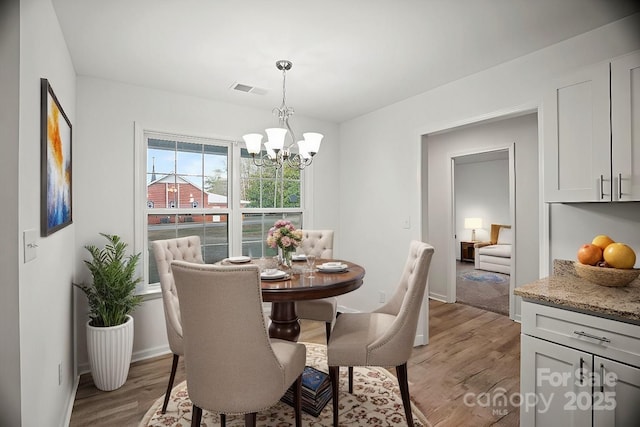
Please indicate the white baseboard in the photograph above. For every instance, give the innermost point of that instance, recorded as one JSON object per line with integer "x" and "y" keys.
{"x": 420, "y": 340}
{"x": 437, "y": 297}
{"x": 150, "y": 352}
{"x": 72, "y": 399}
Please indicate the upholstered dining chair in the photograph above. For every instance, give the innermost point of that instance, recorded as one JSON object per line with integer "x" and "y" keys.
{"x": 320, "y": 244}
{"x": 165, "y": 251}
{"x": 232, "y": 365}
{"x": 385, "y": 336}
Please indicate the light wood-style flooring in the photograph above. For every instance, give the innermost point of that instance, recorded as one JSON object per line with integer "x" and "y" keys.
{"x": 461, "y": 378}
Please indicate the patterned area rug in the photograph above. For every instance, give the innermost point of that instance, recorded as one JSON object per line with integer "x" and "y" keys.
{"x": 485, "y": 276}
{"x": 375, "y": 402}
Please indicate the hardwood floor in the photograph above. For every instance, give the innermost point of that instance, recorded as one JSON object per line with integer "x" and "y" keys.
{"x": 472, "y": 359}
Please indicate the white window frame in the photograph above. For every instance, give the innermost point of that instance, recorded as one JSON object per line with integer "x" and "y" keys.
{"x": 233, "y": 209}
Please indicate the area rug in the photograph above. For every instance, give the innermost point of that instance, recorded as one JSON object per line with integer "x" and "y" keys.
{"x": 485, "y": 276}
{"x": 482, "y": 289}
{"x": 375, "y": 402}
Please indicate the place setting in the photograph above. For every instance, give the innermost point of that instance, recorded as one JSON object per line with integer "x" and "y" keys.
{"x": 332, "y": 267}
{"x": 238, "y": 259}
{"x": 274, "y": 274}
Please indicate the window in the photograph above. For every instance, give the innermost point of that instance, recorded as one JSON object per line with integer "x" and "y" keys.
{"x": 268, "y": 194}
{"x": 210, "y": 188}
{"x": 187, "y": 188}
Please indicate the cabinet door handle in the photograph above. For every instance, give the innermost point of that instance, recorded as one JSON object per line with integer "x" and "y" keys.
{"x": 601, "y": 188}
{"x": 581, "y": 371}
{"x": 602, "y": 378}
{"x": 584, "y": 334}
{"x": 620, "y": 193}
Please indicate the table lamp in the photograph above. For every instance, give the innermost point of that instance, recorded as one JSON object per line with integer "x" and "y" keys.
{"x": 472, "y": 224}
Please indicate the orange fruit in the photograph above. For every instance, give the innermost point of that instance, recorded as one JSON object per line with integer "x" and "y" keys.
{"x": 619, "y": 255}
{"x": 589, "y": 254}
{"x": 602, "y": 241}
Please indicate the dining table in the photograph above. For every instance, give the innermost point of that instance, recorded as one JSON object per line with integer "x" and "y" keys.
{"x": 297, "y": 285}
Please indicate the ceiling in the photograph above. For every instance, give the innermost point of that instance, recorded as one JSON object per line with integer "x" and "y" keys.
{"x": 349, "y": 57}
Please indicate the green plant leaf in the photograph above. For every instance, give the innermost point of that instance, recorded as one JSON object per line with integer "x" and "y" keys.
{"x": 111, "y": 296}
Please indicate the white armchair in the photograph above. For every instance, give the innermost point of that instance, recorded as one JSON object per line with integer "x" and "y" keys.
{"x": 495, "y": 255}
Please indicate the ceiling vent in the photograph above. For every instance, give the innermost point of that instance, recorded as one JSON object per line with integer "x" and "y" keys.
{"x": 248, "y": 89}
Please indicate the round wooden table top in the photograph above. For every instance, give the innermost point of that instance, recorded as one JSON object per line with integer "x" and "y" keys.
{"x": 324, "y": 284}
{"x": 298, "y": 286}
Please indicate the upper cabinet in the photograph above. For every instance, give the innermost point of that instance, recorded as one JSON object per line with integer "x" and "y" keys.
{"x": 591, "y": 122}
{"x": 625, "y": 127}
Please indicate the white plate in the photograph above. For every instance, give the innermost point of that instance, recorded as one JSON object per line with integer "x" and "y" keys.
{"x": 332, "y": 264}
{"x": 239, "y": 259}
{"x": 332, "y": 268}
{"x": 278, "y": 274}
{"x": 300, "y": 257}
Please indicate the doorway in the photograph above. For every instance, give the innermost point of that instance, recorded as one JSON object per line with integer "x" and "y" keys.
{"x": 481, "y": 201}
{"x": 516, "y": 131}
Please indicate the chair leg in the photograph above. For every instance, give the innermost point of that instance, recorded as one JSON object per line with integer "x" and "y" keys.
{"x": 327, "y": 326}
{"x": 403, "y": 382}
{"x": 223, "y": 420}
{"x": 334, "y": 373}
{"x": 196, "y": 416}
{"x": 250, "y": 419}
{"x": 350, "y": 379}
{"x": 172, "y": 377}
{"x": 297, "y": 400}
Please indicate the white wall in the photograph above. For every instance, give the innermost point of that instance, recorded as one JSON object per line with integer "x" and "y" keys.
{"x": 578, "y": 223}
{"x": 10, "y": 388}
{"x": 481, "y": 191}
{"x": 384, "y": 186}
{"x": 46, "y": 309}
{"x": 104, "y": 190}
{"x": 522, "y": 133}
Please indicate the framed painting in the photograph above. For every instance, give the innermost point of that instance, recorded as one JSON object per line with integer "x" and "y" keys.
{"x": 55, "y": 163}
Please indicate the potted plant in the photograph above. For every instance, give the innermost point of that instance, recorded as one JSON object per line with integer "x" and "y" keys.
{"x": 111, "y": 298}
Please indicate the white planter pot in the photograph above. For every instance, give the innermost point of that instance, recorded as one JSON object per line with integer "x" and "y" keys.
{"x": 110, "y": 354}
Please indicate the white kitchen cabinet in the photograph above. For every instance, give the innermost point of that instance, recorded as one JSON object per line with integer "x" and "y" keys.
{"x": 578, "y": 369}
{"x": 624, "y": 391}
{"x": 592, "y": 134}
{"x": 547, "y": 383}
{"x": 625, "y": 127}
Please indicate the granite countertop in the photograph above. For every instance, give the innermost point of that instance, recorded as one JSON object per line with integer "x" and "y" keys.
{"x": 566, "y": 290}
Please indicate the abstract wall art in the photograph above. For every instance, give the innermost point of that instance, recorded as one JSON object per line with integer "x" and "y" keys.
{"x": 55, "y": 163}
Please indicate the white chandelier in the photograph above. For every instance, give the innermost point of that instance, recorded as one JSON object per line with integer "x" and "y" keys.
{"x": 276, "y": 153}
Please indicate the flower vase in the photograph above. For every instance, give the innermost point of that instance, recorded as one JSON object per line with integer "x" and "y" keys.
{"x": 285, "y": 256}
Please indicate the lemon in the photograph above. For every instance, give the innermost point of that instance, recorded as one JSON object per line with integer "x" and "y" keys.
{"x": 602, "y": 241}
{"x": 619, "y": 255}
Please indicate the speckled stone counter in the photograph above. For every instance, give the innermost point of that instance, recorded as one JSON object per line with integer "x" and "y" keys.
{"x": 566, "y": 290}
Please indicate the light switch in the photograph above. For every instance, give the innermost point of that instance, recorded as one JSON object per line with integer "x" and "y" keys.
{"x": 30, "y": 246}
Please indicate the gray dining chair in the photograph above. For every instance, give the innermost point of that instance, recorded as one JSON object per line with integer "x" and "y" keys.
{"x": 232, "y": 365}
{"x": 385, "y": 336}
{"x": 164, "y": 252}
{"x": 320, "y": 244}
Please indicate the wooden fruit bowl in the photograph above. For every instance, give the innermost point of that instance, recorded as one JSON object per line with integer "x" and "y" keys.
{"x": 606, "y": 276}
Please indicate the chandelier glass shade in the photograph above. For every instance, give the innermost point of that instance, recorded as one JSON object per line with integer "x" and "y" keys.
{"x": 277, "y": 152}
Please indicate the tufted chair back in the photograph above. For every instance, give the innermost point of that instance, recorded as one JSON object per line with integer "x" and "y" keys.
{"x": 397, "y": 320}
{"x": 165, "y": 251}
{"x": 232, "y": 365}
{"x": 317, "y": 242}
{"x": 405, "y": 303}
{"x": 385, "y": 336}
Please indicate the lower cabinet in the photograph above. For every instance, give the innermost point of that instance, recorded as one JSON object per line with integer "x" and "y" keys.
{"x": 620, "y": 388}
{"x": 569, "y": 382}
